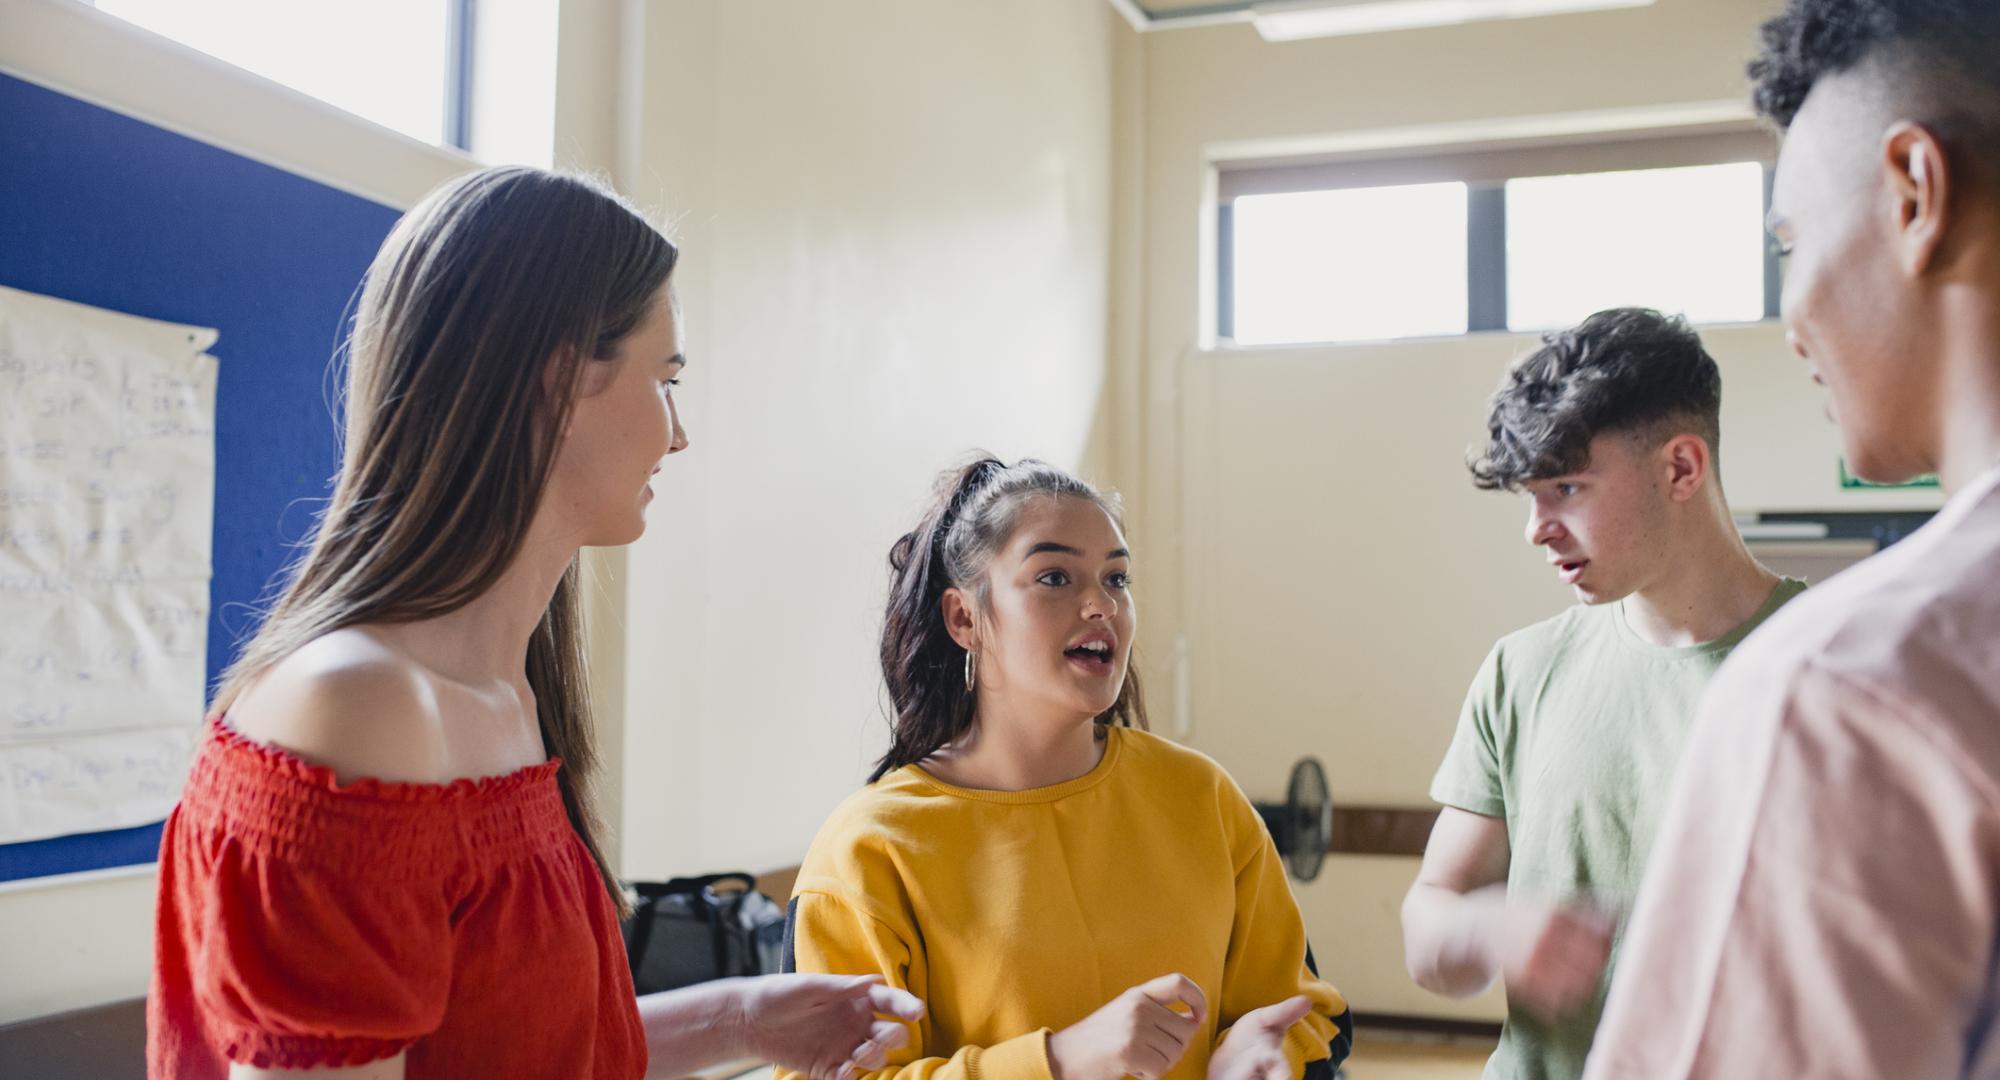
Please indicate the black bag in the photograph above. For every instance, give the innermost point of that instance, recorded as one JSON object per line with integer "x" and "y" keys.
{"x": 684, "y": 931}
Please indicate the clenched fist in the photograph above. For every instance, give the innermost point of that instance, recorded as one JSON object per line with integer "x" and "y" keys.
{"x": 1139, "y": 1033}
{"x": 1552, "y": 958}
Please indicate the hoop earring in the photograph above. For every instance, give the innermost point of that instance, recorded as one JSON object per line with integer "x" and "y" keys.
{"x": 971, "y": 669}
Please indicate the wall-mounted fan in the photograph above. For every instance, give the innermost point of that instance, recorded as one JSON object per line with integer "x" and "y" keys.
{"x": 1302, "y": 825}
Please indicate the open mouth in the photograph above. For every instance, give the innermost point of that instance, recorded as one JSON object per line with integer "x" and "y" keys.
{"x": 1092, "y": 655}
{"x": 1570, "y": 570}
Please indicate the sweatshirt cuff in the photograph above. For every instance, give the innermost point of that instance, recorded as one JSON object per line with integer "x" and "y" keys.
{"x": 1023, "y": 1057}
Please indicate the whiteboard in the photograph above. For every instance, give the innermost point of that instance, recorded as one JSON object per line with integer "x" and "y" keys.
{"x": 107, "y": 491}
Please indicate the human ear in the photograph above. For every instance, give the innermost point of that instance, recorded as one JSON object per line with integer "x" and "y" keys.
{"x": 1687, "y": 462}
{"x": 961, "y": 619}
{"x": 1917, "y": 176}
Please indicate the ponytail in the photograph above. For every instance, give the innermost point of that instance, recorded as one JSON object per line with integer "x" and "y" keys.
{"x": 971, "y": 517}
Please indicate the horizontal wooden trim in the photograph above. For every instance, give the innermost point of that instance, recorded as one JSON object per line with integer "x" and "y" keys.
{"x": 103, "y": 1042}
{"x": 1428, "y": 1025}
{"x": 1381, "y": 830}
{"x": 1357, "y": 830}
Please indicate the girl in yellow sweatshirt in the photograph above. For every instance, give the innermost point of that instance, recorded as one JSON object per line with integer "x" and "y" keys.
{"x": 1075, "y": 898}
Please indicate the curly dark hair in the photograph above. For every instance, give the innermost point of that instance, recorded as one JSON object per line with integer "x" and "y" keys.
{"x": 1946, "y": 51}
{"x": 1625, "y": 370}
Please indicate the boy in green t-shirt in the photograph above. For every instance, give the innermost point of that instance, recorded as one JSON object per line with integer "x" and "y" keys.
{"x": 1571, "y": 731}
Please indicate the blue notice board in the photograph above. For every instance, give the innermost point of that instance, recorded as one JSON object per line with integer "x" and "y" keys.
{"x": 104, "y": 209}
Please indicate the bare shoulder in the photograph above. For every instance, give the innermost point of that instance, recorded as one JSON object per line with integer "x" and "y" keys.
{"x": 352, "y": 703}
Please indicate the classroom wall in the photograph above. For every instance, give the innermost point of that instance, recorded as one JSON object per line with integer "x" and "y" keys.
{"x": 897, "y": 220}
{"x": 1339, "y": 579}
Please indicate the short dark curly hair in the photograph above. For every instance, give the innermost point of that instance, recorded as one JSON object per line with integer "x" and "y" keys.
{"x": 1626, "y": 370}
{"x": 1943, "y": 54}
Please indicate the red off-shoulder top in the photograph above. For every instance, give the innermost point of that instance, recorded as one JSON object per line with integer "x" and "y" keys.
{"x": 303, "y": 922}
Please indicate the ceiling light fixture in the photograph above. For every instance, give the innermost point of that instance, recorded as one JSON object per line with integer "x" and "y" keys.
{"x": 1293, "y": 21}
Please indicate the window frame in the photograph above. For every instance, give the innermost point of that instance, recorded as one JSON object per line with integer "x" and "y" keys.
{"x": 460, "y": 18}
{"x": 1485, "y": 169}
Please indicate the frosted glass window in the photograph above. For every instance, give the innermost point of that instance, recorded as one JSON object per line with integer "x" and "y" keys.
{"x": 385, "y": 60}
{"x": 1686, "y": 240}
{"x": 1356, "y": 264}
{"x": 514, "y": 77}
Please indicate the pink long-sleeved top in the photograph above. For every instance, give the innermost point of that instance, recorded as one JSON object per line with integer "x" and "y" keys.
{"x": 1824, "y": 897}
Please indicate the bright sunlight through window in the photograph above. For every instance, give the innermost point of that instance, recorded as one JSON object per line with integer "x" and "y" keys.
{"x": 1350, "y": 265}
{"x": 386, "y": 60}
{"x": 1686, "y": 240}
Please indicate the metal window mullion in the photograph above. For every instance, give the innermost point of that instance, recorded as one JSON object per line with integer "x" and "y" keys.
{"x": 1485, "y": 257}
{"x": 459, "y": 20}
{"x": 1774, "y": 267}
{"x": 1225, "y": 271}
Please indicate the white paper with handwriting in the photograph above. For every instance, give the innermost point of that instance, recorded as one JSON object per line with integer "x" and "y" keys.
{"x": 107, "y": 487}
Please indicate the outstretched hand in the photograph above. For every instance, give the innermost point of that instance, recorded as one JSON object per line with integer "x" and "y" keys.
{"x": 826, "y": 1026}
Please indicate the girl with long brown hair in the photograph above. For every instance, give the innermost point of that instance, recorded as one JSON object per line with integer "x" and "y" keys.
{"x": 1074, "y": 897}
{"x": 386, "y": 862}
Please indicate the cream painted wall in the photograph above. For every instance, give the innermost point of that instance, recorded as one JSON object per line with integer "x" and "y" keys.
{"x": 896, "y": 226}
{"x": 1339, "y": 577}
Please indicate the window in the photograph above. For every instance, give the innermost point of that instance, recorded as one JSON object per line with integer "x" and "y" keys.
{"x": 1689, "y": 240}
{"x": 389, "y": 61}
{"x": 1495, "y": 238}
{"x": 513, "y": 114}
{"x": 1350, "y": 265}
{"x": 408, "y": 65}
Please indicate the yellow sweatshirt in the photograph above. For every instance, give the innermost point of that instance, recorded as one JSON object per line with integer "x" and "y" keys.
{"x": 1017, "y": 913}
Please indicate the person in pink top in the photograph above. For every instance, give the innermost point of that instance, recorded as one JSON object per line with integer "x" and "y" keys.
{"x": 1823, "y": 899}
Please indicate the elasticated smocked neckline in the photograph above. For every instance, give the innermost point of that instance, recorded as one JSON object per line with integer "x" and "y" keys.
{"x": 275, "y": 801}
{"x": 283, "y": 762}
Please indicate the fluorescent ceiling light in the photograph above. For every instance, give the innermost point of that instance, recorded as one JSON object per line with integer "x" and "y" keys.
{"x": 1326, "y": 18}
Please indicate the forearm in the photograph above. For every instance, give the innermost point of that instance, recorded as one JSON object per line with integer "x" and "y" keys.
{"x": 695, "y": 1027}
{"x": 1450, "y": 939}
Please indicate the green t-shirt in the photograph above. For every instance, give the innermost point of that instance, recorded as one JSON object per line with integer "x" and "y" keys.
{"x": 1571, "y": 732}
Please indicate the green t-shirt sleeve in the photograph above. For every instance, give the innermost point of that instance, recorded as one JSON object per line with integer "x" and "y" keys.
{"x": 1469, "y": 778}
